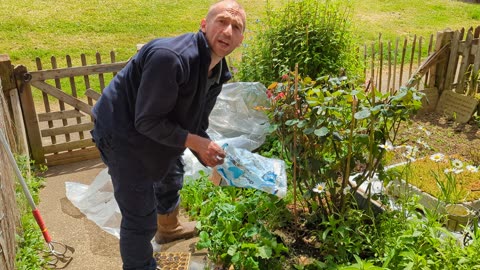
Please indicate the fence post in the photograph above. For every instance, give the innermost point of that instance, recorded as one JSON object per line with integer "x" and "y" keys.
{"x": 6, "y": 73}
{"x": 7, "y": 79}
{"x": 14, "y": 109}
{"x": 437, "y": 77}
{"x": 29, "y": 115}
{"x": 8, "y": 87}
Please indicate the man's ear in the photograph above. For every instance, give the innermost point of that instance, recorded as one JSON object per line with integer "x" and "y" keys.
{"x": 203, "y": 25}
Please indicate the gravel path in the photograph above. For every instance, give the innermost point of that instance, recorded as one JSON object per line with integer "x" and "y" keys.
{"x": 95, "y": 249}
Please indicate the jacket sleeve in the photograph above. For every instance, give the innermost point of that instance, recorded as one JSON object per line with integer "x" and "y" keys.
{"x": 156, "y": 98}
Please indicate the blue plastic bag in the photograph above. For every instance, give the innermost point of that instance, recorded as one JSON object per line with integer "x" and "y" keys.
{"x": 243, "y": 168}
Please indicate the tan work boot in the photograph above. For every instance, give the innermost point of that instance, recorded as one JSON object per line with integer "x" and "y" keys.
{"x": 169, "y": 228}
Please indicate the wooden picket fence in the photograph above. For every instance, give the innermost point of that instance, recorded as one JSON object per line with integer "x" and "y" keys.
{"x": 451, "y": 61}
{"x": 388, "y": 65}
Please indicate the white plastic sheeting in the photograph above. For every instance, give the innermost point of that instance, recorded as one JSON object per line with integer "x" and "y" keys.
{"x": 234, "y": 120}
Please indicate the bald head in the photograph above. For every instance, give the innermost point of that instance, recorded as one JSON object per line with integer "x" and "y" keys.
{"x": 231, "y": 6}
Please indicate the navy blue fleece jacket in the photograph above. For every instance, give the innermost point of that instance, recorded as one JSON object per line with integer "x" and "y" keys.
{"x": 160, "y": 96}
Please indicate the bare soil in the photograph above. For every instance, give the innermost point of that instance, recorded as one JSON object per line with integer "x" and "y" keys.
{"x": 443, "y": 135}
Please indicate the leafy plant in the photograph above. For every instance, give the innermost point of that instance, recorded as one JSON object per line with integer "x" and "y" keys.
{"x": 407, "y": 239}
{"x": 331, "y": 130}
{"x": 450, "y": 189}
{"x": 346, "y": 237}
{"x": 236, "y": 225}
{"x": 314, "y": 34}
{"x": 361, "y": 265}
{"x": 29, "y": 237}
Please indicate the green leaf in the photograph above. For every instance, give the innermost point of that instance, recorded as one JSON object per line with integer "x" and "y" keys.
{"x": 301, "y": 123}
{"x": 321, "y": 132}
{"x": 308, "y": 131}
{"x": 365, "y": 113}
{"x": 291, "y": 122}
{"x": 232, "y": 250}
{"x": 236, "y": 257}
{"x": 265, "y": 252}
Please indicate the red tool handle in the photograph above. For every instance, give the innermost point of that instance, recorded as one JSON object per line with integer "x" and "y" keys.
{"x": 41, "y": 224}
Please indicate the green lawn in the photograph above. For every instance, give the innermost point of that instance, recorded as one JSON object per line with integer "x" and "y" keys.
{"x": 42, "y": 28}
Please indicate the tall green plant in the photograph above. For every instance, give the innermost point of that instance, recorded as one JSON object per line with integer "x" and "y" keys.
{"x": 315, "y": 34}
{"x": 335, "y": 131}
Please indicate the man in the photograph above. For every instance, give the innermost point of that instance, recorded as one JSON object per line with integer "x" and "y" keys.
{"x": 154, "y": 109}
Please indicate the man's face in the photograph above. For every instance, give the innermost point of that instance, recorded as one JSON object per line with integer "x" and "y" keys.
{"x": 224, "y": 30}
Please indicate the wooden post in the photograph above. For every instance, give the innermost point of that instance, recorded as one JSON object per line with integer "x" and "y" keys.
{"x": 29, "y": 115}
{"x": 437, "y": 77}
{"x": 8, "y": 87}
{"x": 6, "y": 73}
{"x": 22, "y": 143}
{"x": 466, "y": 59}
{"x": 7, "y": 79}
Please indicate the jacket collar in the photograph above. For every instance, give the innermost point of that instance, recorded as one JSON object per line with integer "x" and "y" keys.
{"x": 206, "y": 57}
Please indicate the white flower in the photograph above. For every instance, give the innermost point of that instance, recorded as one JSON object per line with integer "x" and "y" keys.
{"x": 409, "y": 156}
{"x": 408, "y": 148}
{"x": 414, "y": 151}
{"x": 319, "y": 188}
{"x": 423, "y": 143}
{"x": 471, "y": 168}
{"x": 346, "y": 190}
{"x": 388, "y": 146}
{"x": 447, "y": 171}
{"x": 457, "y": 171}
{"x": 425, "y": 130}
{"x": 437, "y": 157}
{"x": 457, "y": 163}
{"x": 410, "y": 153}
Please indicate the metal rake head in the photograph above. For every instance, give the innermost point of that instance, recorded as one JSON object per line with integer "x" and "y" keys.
{"x": 58, "y": 255}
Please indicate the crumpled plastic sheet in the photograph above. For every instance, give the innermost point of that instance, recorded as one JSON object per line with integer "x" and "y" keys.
{"x": 234, "y": 120}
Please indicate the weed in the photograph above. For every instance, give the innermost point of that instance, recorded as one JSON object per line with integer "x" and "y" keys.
{"x": 29, "y": 238}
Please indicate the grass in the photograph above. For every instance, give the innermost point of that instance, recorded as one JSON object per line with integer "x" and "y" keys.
{"x": 36, "y": 28}
{"x": 412, "y": 17}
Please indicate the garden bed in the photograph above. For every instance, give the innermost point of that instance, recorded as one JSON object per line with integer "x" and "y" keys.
{"x": 450, "y": 178}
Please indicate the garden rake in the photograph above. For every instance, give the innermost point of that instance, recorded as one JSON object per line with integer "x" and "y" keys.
{"x": 58, "y": 255}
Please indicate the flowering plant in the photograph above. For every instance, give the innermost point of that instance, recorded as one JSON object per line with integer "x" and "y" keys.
{"x": 330, "y": 129}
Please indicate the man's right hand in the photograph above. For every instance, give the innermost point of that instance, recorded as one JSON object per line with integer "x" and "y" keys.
{"x": 210, "y": 153}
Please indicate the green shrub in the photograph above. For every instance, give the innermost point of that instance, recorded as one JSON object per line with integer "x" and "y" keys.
{"x": 334, "y": 130}
{"x": 315, "y": 34}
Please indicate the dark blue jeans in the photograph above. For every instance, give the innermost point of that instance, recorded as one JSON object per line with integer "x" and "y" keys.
{"x": 140, "y": 197}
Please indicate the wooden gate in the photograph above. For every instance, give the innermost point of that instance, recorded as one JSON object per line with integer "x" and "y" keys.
{"x": 58, "y": 128}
